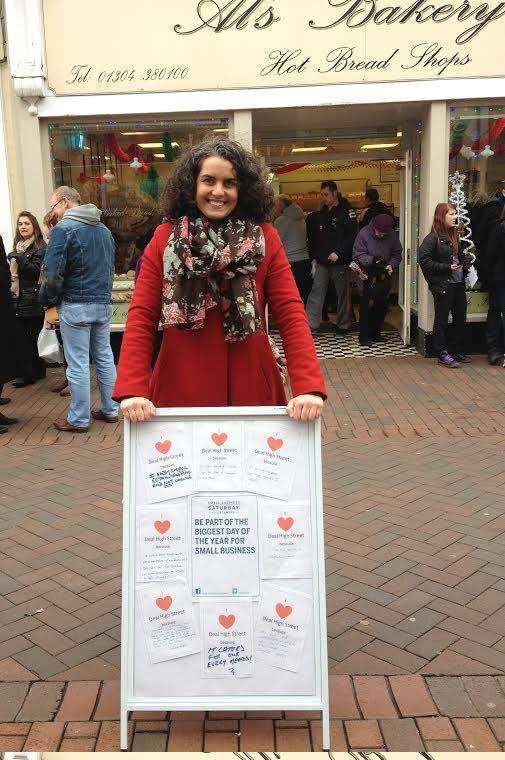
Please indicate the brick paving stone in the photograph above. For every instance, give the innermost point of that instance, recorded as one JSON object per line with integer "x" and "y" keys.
{"x": 12, "y": 696}
{"x": 78, "y": 745}
{"x": 257, "y": 735}
{"x": 50, "y": 640}
{"x": 108, "y": 737}
{"x": 10, "y": 670}
{"x": 401, "y": 735}
{"x": 44, "y": 737}
{"x": 444, "y": 746}
{"x": 436, "y": 729}
{"x": 39, "y": 661}
{"x": 14, "y": 729}
{"x": 77, "y": 730}
{"x": 41, "y": 703}
{"x": 451, "y": 698}
{"x": 451, "y": 663}
{"x": 338, "y": 741}
{"x": 498, "y": 728}
{"x": 290, "y": 739}
{"x": 185, "y": 736}
{"x": 363, "y": 734}
{"x": 79, "y": 701}
{"x": 412, "y": 696}
{"x": 476, "y": 735}
{"x": 342, "y": 701}
{"x": 486, "y": 695}
{"x": 394, "y": 655}
{"x": 374, "y": 698}
{"x": 89, "y": 649}
{"x": 219, "y": 742}
{"x": 12, "y": 743}
{"x": 432, "y": 643}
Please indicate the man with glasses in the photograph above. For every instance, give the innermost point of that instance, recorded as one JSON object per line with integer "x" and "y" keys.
{"x": 77, "y": 278}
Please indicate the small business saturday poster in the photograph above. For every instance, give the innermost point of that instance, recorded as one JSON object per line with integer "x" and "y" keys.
{"x": 167, "y": 461}
{"x": 282, "y": 626}
{"x": 224, "y": 545}
{"x": 219, "y": 454}
{"x": 285, "y": 540}
{"x": 162, "y": 543}
{"x": 168, "y": 621}
{"x": 273, "y": 450}
{"x": 226, "y": 639}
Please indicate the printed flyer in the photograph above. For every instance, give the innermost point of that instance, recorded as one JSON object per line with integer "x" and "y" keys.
{"x": 227, "y": 639}
{"x": 285, "y": 540}
{"x": 282, "y": 625}
{"x": 168, "y": 621}
{"x": 219, "y": 455}
{"x": 224, "y": 545}
{"x": 167, "y": 461}
{"x": 273, "y": 451}
{"x": 162, "y": 543}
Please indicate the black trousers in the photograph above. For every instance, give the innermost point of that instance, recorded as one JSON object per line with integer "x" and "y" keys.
{"x": 495, "y": 322}
{"x": 301, "y": 273}
{"x": 30, "y": 366}
{"x": 453, "y": 301}
{"x": 373, "y": 307}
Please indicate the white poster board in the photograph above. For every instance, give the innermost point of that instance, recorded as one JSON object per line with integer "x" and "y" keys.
{"x": 223, "y": 564}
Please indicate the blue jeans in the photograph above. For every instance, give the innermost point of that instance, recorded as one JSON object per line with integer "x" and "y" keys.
{"x": 85, "y": 331}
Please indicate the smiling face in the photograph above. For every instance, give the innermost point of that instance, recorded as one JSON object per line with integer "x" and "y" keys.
{"x": 25, "y": 227}
{"x": 216, "y": 189}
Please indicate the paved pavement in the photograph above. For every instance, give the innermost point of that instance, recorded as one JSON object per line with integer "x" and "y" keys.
{"x": 414, "y": 477}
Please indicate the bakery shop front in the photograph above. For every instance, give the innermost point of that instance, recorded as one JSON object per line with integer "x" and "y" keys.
{"x": 371, "y": 93}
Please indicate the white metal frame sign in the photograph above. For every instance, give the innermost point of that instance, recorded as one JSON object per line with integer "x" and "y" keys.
{"x": 223, "y": 564}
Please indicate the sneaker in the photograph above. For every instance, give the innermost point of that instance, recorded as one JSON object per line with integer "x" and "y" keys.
{"x": 463, "y": 358}
{"x": 446, "y": 360}
{"x": 366, "y": 343}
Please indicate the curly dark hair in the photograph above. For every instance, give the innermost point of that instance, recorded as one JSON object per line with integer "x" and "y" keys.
{"x": 255, "y": 196}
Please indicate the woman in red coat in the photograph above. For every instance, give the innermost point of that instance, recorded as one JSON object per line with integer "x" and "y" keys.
{"x": 207, "y": 277}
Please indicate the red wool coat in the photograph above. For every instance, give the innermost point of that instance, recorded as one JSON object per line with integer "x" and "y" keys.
{"x": 201, "y": 368}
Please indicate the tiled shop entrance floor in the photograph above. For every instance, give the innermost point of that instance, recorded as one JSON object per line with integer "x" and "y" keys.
{"x": 413, "y": 476}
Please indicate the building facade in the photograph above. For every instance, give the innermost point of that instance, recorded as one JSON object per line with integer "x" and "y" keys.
{"x": 395, "y": 95}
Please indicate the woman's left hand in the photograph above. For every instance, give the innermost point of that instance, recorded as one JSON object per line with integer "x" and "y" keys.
{"x": 306, "y": 407}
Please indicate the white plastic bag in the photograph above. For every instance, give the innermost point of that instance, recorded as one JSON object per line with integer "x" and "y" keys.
{"x": 471, "y": 277}
{"x": 48, "y": 347}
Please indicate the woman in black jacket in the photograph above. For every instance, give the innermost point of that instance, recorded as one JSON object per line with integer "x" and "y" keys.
{"x": 7, "y": 335}
{"x": 25, "y": 265}
{"x": 495, "y": 326}
{"x": 444, "y": 265}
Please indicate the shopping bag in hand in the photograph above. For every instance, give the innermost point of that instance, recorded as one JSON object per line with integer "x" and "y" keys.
{"x": 48, "y": 347}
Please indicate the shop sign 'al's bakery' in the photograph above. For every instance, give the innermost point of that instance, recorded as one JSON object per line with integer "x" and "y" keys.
{"x": 167, "y": 45}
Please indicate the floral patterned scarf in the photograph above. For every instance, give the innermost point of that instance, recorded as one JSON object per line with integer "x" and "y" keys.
{"x": 206, "y": 266}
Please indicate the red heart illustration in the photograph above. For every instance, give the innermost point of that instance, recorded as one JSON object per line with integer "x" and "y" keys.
{"x": 275, "y": 443}
{"x": 283, "y": 611}
{"x": 285, "y": 522}
{"x": 226, "y": 621}
{"x": 162, "y": 526}
{"x": 164, "y": 602}
{"x": 163, "y": 446}
{"x": 219, "y": 438}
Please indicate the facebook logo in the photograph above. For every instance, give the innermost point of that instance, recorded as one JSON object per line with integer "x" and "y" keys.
{"x": 198, "y": 590}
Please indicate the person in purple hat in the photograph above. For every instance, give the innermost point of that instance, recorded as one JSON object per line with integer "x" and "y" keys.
{"x": 378, "y": 252}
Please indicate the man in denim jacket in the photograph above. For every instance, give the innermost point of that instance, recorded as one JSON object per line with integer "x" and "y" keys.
{"x": 77, "y": 278}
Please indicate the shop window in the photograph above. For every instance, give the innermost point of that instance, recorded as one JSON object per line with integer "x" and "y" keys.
{"x": 123, "y": 167}
{"x": 477, "y": 150}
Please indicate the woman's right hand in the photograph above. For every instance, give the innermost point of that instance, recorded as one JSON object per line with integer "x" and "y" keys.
{"x": 138, "y": 409}
{"x": 455, "y": 267}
